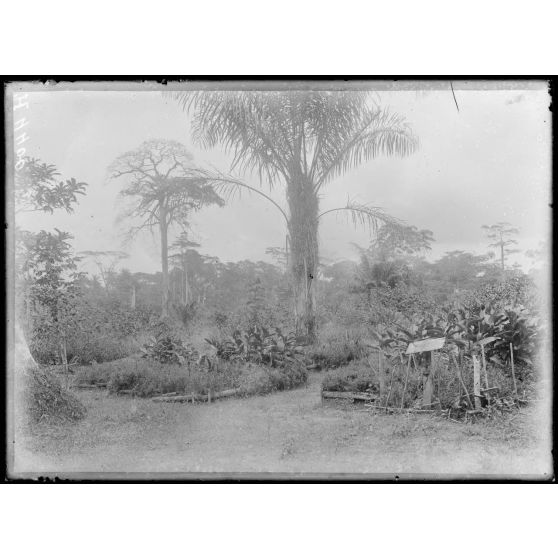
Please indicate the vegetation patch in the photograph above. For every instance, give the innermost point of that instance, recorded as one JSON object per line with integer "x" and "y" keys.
{"x": 147, "y": 378}
{"x": 356, "y": 377}
{"x": 336, "y": 353}
{"x": 47, "y": 400}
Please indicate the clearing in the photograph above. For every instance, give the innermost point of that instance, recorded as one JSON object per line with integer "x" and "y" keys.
{"x": 283, "y": 432}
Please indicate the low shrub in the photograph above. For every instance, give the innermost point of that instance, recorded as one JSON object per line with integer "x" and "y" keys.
{"x": 47, "y": 400}
{"x": 260, "y": 380}
{"x": 448, "y": 390}
{"x": 146, "y": 378}
{"x": 355, "y": 377}
{"x": 259, "y": 345}
{"x": 167, "y": 349}
{"x": 336, "y": 353}
{"x": 166, "y": 346}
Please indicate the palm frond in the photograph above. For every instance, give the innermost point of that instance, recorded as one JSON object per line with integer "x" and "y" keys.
{"x": 231, "y": 187}
{"x": 364, "y": 215}
{"x": 377, "y": 133}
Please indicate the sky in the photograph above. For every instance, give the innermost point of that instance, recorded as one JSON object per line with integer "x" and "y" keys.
{"x": 487, "y": 162}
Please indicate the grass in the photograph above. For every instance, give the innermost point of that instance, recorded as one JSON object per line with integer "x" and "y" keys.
{"x": 357, "y": 376}
{"x": 360, "y": 376}
{"x": 336, "y": 353}
{"x": 282, "y": 432}
{"x": 146, "y": 377}
{"x": 46, "y": 399}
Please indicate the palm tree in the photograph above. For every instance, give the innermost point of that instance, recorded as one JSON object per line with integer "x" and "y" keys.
{"x": 300, "y": 140}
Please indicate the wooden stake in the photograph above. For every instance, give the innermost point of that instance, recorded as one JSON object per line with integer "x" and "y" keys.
{"x": 406, "y": 378}
{"x": 477, "y": 382}
{"x": 484, "y": 366}
{"x": 461, "y": 380}
{"x": 439, "y": 370}
{"x": 428, "y": 385}
{"x": 485, "y": 373}
{"x": 381, "y": 375}
{"x": 513, "y": 371}
{"x": 390, "y": 386}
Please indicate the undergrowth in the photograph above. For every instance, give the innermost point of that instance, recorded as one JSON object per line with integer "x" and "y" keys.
{"x": 146, "y": 378}
{"x": 46, "y": 400}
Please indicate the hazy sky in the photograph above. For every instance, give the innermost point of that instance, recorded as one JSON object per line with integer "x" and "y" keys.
{"x": 488, "y": 162}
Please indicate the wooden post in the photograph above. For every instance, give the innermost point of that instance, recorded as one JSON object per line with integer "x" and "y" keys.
{"x": 458, "y": 370}
{"x": 428, "y": 385}
{"x": 390, "y": 386}
{"x": 209, "y": 395}
{"x": 405, "y": 386}
{"x": 513, "y": 371}
{"x": 381, "y": 376}
{"x": 439, "y": 377}
{"x": 484, "y": 367}
{"x": 485, "y": 374}
{"x": 476, "y": 382}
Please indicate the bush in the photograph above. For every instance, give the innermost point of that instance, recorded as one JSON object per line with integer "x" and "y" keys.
{"x": 336, "y": 353}
{"x": 146, "y": 379}
{"x": 98, "y": 333}
{"x": 356, "y": 377}
{"x": 47, "y": 400}
{"x": 259, "y": 345}
{"x": 167, "y": 349}
{"x": 260, "y": 380}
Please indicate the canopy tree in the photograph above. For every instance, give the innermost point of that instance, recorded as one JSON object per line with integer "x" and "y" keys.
{"x": 300, "y": 140}
{"x": 165, "y": 190}
{"x": 501, "y": 234}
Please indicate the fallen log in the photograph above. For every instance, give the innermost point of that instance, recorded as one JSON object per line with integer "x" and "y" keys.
{"x": 399, "y": 410}
{"x": 90, "y": 386}
{"x": 193, "y": 397}
{"x": 226, "y": 393}
{"x": 179, "y": 398}
{"x": 358, "y": 395}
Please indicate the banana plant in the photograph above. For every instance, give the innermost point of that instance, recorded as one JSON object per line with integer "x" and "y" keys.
{"x": 260, "y": 345}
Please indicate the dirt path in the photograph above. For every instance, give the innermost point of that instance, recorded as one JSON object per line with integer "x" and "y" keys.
{"x": 286, "y": 432}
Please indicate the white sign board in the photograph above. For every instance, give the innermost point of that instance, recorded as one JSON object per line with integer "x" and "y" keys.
{"x": 423, "y": 345}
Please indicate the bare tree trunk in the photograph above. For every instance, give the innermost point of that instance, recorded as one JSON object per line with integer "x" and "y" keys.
{"x": 303, "y": 233}
{"x": 133, "y": 301}
{"x": 165, "y": 264}
{"x": 186, "y": 283}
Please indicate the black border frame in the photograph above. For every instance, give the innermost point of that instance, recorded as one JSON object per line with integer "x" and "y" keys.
{"x": 259, "y": 478}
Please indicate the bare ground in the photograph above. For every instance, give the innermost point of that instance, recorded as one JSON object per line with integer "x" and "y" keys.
{"x": 287, "y": 432}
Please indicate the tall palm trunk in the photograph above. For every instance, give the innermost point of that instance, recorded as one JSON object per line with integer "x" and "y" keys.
{"x": 165, "y": 263}
{"x": 303, "y": 233}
